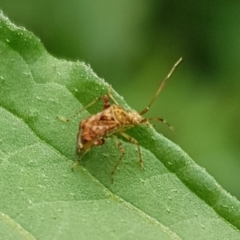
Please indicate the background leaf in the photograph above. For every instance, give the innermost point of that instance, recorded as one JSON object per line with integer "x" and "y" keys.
{"x": 133, "y": 44}
{"x": 41, "y": 198}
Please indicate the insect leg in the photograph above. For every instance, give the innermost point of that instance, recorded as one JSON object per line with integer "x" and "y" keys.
{"x": 111, "y": 96}
{"x": 78, "y": 161}
{"x": 161, "y": 120}
{"x": 134, "y": 141}
{"x": 66, "y": 120}
{"x": 121, "y": 149}
{"x": 106, "y": 102}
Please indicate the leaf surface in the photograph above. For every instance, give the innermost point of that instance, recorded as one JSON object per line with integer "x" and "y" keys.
{"x": 41, "y": 198}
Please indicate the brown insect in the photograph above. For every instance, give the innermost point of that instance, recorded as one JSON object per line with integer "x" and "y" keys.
{"x": 111, "y": 121}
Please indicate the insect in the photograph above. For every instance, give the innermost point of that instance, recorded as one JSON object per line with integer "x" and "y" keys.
{"x": 113, "y": 120}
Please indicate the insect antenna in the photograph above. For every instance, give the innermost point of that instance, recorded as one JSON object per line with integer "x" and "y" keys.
{"x": 160, "y": 88}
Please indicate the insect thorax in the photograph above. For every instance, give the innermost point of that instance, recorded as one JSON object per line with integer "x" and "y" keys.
{"x": 126, "y": 118}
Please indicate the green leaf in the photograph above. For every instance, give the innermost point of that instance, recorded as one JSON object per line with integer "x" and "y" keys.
{"x": 41, "y": 198}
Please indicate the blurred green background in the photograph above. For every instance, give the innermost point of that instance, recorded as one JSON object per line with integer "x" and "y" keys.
{"x": 133, "y": 45}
